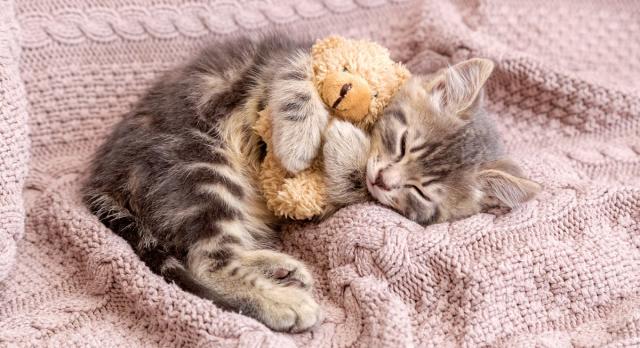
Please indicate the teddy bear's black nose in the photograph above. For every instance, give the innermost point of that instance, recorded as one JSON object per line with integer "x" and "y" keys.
{"x": 343, "y": 92}
{"x": 345, "y": 89}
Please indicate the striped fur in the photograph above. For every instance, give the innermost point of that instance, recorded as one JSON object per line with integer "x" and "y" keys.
{"x": 177, "y": 177}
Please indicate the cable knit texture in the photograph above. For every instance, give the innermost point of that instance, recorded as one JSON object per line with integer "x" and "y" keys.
{"x": 561, "y": 271}
{"x": 14, "y": 146}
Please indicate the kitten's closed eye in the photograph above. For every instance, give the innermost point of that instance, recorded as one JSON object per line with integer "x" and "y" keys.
{"x": 428, "y": 182}
{"x": 419, "y": 192}
{"x": 403, "y": 146}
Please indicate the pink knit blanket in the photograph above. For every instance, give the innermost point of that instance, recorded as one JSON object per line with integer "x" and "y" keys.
{"x": 563, "y": 270}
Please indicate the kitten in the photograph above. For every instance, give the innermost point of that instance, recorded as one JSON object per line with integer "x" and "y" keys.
{"x": 434, "y": 155}
{"x": 177, "y": 178}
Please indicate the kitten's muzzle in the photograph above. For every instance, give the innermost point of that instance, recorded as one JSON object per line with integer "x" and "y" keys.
{"x": 379, "y": 182}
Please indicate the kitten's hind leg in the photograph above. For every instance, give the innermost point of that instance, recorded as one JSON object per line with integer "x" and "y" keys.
{"x": 269, "y": 286}
{"x": 278, "y": 267}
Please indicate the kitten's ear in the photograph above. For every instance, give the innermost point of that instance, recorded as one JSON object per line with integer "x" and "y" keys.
{"x": 459, "y": 88}
{"x": 503, "y": 180}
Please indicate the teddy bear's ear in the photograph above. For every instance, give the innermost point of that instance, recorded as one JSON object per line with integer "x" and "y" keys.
{"x": 329, "y": 42}
{"x": 402, "y": 73}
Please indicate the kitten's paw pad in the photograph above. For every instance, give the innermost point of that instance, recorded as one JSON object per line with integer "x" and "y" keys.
{"x": 288, "y": 276}
{"x": 287, "y": 271}
{"x": 292, "y": 310}
{"x": 280, "y": 268}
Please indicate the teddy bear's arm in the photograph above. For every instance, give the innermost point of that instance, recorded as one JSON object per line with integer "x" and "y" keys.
{"x": 345, "y": 153}
{"x": 299, "y": 115}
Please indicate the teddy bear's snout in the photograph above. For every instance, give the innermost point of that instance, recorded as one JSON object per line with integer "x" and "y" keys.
{"x": 349, "y": 95}
{"x": 343, "y": 93}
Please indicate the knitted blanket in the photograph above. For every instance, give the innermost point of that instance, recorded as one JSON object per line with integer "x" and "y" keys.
{"x": 563, "y": 270}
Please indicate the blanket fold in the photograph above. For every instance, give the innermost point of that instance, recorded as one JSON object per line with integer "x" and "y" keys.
{"x": 562, "y": 270}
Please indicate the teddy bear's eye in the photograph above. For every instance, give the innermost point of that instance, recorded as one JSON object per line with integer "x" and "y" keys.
{"x": 375, "y": 95}
{"x": 344, "y": 69}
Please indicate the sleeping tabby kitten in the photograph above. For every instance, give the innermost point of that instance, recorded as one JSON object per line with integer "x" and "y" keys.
{"x": 433, "y": 156}
{"x": 176, "y": 178}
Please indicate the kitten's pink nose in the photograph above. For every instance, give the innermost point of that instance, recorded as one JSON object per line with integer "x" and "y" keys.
{"x": 380, "y": 182}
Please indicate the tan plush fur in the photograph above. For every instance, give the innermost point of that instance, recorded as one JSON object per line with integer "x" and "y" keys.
{"x": 373, "y": 78}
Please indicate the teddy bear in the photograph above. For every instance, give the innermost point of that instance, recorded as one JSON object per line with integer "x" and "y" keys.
{"x": 356, "y": 80}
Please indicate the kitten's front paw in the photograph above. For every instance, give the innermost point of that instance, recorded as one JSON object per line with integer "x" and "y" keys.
{"x": 345, "y": 145}
{"x": 295, "y": 155}
{"x": 295, "y": 163}
{"x": 345, "y": 132}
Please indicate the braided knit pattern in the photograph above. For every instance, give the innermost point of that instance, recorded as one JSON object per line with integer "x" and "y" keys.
{"x": 560, "y": 271}
{"x": 14, "y": 143}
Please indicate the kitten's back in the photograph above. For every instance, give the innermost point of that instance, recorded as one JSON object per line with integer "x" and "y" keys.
{"x": 176, "y": 180}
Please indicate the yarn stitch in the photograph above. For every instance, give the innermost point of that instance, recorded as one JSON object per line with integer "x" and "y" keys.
{"x": 74, "y": 26}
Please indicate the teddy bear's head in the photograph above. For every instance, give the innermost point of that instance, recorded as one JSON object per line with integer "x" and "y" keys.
{"x": 355, "y": 78}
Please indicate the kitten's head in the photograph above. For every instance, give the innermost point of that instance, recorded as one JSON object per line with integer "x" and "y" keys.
{"x": 435, "y": 156}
